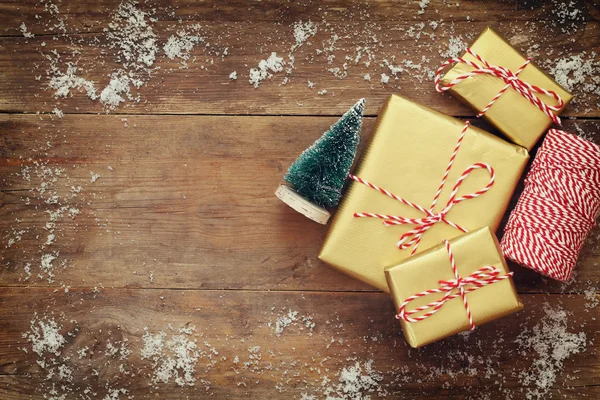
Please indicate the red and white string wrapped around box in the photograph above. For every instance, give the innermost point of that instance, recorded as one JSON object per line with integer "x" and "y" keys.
{"x": 506, "y": 88}
{"x": 416, "y": 175}
{"x": 413, "y": 237}
{"x": 482, "y": 277}
{"x": 511, "y": 80}
{"x": 558, "y": 207}
{"x": 452, "y": 287}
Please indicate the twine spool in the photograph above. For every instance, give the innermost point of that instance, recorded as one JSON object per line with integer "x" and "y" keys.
{"x": 558, "y": 207}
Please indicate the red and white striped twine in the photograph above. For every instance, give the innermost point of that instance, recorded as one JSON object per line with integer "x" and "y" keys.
{"x": 478, "y": 279}
{"x": 510, "y": 78}
{"x": 558, "y": 207}
{"x": 413, "y": 237}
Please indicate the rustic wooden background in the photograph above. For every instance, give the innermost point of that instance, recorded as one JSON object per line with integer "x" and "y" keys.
{"x": 184, "y": 230}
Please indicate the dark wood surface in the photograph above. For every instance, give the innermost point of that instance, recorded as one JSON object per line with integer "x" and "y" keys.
{"x": 181, "y": 228}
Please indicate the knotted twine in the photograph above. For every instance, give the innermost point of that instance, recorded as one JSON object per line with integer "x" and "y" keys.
{"x": 558, "y": 207}
{"x": 482, "y": 277}
{"x": 511, "y": 79}
{"x": 413, "y": 237}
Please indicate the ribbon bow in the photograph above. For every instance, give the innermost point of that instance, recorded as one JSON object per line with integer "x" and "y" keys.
{"x": 510, "y": 78}
{"x": 413, "y": 237}
{"x": 478, "y": 279}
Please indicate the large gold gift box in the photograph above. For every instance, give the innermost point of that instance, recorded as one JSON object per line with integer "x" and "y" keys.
{"x": 408, "y": 154}
{"x": 521, "y": 121}
{"x": 423, "y": 272}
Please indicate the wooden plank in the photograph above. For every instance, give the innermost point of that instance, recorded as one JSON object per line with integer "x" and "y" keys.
{"x": 88, "y": 16}
{"x": 348, "y": 328}
{"x": 372, "y": 33}
{"x": 118, "y": 227}
{"x": 188, "y": 204}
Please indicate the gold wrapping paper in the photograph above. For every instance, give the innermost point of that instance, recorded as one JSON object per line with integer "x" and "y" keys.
{"x": 408, "y": 153}
{"x": 522, "y": 122}
{"x": 471, "y": 251}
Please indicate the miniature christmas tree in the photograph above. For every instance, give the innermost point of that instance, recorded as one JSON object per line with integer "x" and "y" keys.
{"x": 320, "y": 171}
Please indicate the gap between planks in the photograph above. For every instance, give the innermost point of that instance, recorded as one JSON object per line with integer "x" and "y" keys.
{"x": 59, "y": 289}
{"x": 366, "y": 116}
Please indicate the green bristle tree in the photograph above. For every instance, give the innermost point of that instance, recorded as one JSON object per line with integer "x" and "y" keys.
{"x": 320, "y": 171}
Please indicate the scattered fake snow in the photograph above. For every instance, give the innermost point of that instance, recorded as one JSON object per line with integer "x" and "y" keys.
{"x": 289, "y": 318}
{"x": 456, "y": 46}
{"x": 47, "y": 266}
{"x": 592, "y": 298}
{"x": 93, "y": 176}
{"x": 174, "y": 358}
{"x": 120, "y": 350}
{"x": 302, "y": 32}
{"x": 570, "y": 17}
{"x": 284, "y": 321}
{"x": 115, "y": 394}
{"x": 422, "y": 6}
{"x": 174, "y": 355}
{"x": 44, "y": 336}
{"x": 63, "y": 82}
{"x": 572, "y": 72}
{"x": 58, "y": 113}
{"x": 132, "y": 35}
{"x": 180, "y": 45}
{"x": 265, "y": 67}
{"x": 356, "y": 382}
{"x": 118, "y": 90}
{"x": 553, "y": 343}
{"x": 48, "y": 341}
{"x": 52, "y": 194}
{"x": 24, "y": 31}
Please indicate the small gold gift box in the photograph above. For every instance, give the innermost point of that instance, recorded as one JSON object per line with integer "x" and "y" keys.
{"x": 511, "y": 112}
{"x": 426, "y": 279}
{"x": 408, "y": 155}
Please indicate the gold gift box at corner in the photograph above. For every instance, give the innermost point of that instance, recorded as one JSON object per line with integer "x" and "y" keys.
{"x": 408, "y": 153}
{"x": 521, "y": 122}
{"x": 423, "y": 272}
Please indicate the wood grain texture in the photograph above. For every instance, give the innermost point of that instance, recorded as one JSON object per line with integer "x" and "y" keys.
{"x": 232, "y": 322}
{"x": 90, "y": 16}
{"x": 160, "y": 216}
{"x": 189, "y": 198}
{"x": 369, "y": 33}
